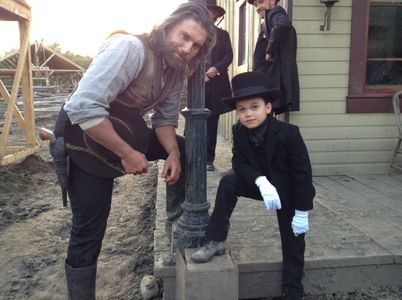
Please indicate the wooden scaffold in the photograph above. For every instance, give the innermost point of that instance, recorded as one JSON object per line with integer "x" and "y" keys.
{"x": 19, "y": 11}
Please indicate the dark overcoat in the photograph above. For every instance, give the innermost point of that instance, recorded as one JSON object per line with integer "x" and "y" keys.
{"x": 288, "y": 163}
{"x": 280, "y": 40}
{"x": 219, "y": 87}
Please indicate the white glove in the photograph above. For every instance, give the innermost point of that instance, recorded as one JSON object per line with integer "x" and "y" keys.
{"x": 300, "y": 222}
{"x": 268, "y": 193}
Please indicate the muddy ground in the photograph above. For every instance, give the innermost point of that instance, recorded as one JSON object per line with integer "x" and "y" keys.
{"x": 34, "y": 231}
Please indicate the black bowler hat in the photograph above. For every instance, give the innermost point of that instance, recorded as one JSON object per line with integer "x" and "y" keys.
{"x": 212, "y": 5}
{"x": 94, "y": 158}
{"x": 250, "y": 85}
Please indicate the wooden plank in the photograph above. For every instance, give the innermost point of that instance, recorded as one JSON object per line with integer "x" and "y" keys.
{"x": 371, "y": 191}
{"x": 324, "y": 81}
{"x": 361, "y": 205}
{"x": 16, "y": 9}
{"x": 313, "y": 94}
{"x": 14, "y": 92}
{"x": 345, "y": 157}
{"x": 323, "y": 41}
{"x": 314, "y": 3}
{"x": 17, "y": 114}
{"x": 354, "y": 132}
{"x": 27, "y": 91}
{"x": 325, "y": 117}
{"x": 337, "y": 27}
{"x": 342, "y": 169}
{"x": 322, "y": 107}
{"x": 323, "y": 68}
{"x": 317, "y": 13}
{"x": 322, "y": 54}
{"x": 11, "y": 158}
{"x": 333, "y": 146}
{"x": 381, "y": 184}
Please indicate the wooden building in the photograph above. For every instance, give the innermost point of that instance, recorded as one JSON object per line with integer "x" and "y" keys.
{"x": 348, "y": 72}
{"x": 12, "y": 149}
{"x": 52, "y": 72}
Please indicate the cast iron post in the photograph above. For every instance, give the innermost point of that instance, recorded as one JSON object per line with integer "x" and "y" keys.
{"x": 191, "y": 226}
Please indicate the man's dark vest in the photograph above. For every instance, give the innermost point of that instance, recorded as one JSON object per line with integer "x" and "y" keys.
{"x": 147, "y": 90}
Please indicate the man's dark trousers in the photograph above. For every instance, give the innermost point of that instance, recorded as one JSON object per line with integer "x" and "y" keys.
{"x": 90, "y": 198}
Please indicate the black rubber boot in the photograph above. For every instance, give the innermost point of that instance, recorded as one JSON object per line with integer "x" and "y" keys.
{"x": 81, "y": 282}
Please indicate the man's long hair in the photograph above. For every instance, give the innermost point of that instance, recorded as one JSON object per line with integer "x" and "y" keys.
{"x": 189, "y": 10}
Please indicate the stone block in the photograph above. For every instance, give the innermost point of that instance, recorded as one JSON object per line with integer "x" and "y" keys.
{"x": 215, "y": 280}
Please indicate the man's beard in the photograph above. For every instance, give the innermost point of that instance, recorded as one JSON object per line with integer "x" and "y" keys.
{"x": 172, "y": 58}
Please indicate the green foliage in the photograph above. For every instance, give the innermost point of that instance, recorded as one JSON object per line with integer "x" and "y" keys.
{"x": 83, "y": 61}
{"x": 55, "y": 46}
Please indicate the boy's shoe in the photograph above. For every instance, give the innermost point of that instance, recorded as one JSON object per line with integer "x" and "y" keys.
{"x": 206, "y": 252}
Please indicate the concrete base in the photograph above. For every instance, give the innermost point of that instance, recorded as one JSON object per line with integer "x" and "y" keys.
{"x": 216, "y": 280}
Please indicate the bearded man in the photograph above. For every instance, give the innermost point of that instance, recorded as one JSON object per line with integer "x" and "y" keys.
{"x": 106, "y": 136}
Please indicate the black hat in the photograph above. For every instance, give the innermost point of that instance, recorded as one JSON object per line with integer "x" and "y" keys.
{"x": 212, "y": 5}
{"x": 95, "y": 158}
{"x": 252, "y": 1}
{"x": 248, "y": 85}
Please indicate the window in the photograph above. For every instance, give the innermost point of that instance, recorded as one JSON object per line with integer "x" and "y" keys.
{"x": 241, "y": 58}
{"x": 375, "y": 55}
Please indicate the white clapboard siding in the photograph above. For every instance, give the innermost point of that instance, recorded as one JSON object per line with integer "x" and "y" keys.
{"x": 313, "y": 94}
{"x": 323, "y": 68}
{"x": 323, "y": 40}
{"x": 338, "y": 143}
{"x": 329, "y": 133}
{"x": 337, "y": 13}
{"x": 379, "y": 144}
{"x": 321, "y": 115}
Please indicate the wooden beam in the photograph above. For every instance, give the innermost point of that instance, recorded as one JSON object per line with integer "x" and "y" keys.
{"x": 17, "y": 113}
{"x": 24, "y": 34}
{"x": 17, "y": 10}
{"x": 27, "y": 92}
{"x": 8, "y": 159}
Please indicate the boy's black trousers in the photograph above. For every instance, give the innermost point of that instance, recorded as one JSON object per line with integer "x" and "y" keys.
{"x": 230, "y": 188}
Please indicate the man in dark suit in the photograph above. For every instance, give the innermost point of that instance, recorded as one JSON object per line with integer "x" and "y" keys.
{"x": 217, "y": 84}
{"x": 275, "y": 53}
{"x": 270, "y": 163}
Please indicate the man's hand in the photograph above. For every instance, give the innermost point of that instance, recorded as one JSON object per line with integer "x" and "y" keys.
{"x": 135, "y": 163}
{"x": 212, "y": 72}
{"x": 172, "y": 168}
{"x": 268, "y": 57}
{"x": 268, "y": 193}
{"x": 300, "y": 222}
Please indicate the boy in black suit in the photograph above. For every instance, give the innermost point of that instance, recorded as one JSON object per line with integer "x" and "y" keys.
{"x": 270, "y": 163}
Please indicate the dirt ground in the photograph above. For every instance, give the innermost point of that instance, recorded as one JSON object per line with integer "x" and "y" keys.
{"x": 34, "y": 231}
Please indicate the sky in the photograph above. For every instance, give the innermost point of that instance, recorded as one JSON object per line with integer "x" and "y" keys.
{"x": 80, "y": 26}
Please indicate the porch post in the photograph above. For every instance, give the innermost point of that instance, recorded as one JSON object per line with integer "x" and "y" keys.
{"x": 191, "y": 226}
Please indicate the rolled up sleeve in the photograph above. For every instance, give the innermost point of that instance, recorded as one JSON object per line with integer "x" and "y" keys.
{"x": 118, "y": 62}
{"x": 166, "y": 113}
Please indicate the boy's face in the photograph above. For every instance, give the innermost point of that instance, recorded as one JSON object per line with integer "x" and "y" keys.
{"x": 252, "y": 112}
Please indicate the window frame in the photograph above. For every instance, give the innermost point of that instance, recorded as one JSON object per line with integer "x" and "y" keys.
{"x": 362, "y": 98}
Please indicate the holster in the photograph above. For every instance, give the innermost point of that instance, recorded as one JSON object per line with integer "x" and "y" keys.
{"x": 61, "y": 165}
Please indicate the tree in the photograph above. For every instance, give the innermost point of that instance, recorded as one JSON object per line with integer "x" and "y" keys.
{"x": 83, "y": 61}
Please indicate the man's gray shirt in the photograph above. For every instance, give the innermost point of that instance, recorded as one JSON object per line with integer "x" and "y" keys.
{"x": 118, "y": 62}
